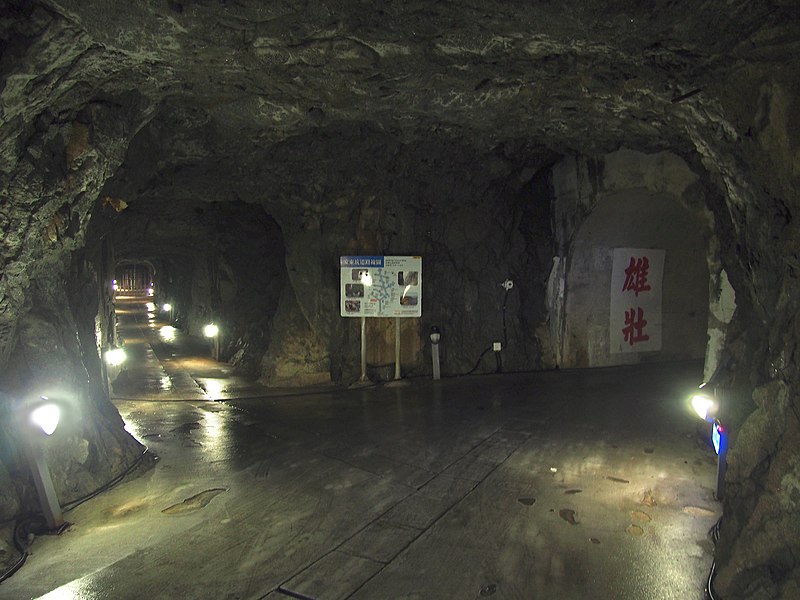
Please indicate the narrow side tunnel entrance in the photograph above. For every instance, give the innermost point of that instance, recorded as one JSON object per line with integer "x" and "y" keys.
{"x": 207, "y": 262}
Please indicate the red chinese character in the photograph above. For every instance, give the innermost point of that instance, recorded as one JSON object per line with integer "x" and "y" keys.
{"x": 636, "y": 275}
{"x": 634, "y": 326}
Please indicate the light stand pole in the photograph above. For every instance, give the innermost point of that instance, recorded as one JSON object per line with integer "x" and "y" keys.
{"x": 719, "y": 436}
{"x": 397, "y": 348}
{"x": 363, "y": 350}
{"x": 436, "y": 337}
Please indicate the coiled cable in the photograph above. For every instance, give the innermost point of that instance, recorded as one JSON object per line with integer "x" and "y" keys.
{"x": 28, "y": 526}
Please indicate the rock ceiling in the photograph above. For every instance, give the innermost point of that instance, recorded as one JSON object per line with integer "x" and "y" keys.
{"x": 225, "y": 87}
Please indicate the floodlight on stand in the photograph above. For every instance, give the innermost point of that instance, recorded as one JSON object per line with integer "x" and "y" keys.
{"x": 706, "y": 407}
{"x": 212, "y": 331}
{"x": 167, "y": 307}
{"x": 43, "y": 416}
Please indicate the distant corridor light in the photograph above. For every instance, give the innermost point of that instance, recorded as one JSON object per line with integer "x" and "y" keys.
{"x": 167, "y": 307}
{"x": 115, "y": 357}
{"x": 167, "y": 333}
{"x": 210, "y": 330}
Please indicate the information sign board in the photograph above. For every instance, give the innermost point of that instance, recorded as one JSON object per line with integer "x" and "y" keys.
{"x": 381, "y": 286}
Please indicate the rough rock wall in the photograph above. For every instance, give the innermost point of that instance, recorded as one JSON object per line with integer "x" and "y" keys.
{"x": 220, "y": 262}
{"x": 54, "y": 167}
{"x": 760, "y": 243}
{"x": 56, "y": 354}
{"x": 470, "y": 229}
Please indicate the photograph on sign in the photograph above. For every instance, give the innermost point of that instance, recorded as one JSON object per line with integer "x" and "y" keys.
{"x": 381, "y": 286}
{"x": 636, "y": 292}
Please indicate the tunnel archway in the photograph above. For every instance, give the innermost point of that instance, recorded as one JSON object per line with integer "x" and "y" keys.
{"x": 220, "y": 262}
{"x": 638, "y": 202}
{"x": 136, "y": 276}
{"x": 628, "y": 201}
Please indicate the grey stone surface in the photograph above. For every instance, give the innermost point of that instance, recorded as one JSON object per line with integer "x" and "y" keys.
{"x": 277, "y": 495}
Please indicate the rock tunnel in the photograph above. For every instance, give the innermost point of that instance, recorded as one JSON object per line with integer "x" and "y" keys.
{"x": 232, "y": 151}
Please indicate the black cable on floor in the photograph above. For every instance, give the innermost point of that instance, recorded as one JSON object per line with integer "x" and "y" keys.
{"x": 25, "y": 522}
{"x": 23, "y": 537}
{"x": 106, "y": 486}
{"x": 15, "y": 568}
{"x": 709, "y": 589}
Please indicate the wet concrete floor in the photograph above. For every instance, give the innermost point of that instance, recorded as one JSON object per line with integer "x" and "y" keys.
{"x": 573, "y": 484}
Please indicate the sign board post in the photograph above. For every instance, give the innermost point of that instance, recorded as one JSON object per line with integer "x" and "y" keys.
{"x": 396, "y": 348}
{"x": 380, "y": 286}
{"x": 363, "y": 350}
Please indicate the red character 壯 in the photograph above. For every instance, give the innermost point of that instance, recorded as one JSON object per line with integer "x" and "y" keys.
{"x": 633, "y": 332}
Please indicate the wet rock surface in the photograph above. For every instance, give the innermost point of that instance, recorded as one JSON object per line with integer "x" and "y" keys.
{"x": 405, "y": 129}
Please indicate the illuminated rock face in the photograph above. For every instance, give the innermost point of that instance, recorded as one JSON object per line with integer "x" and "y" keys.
{"x": 235, "y": 131}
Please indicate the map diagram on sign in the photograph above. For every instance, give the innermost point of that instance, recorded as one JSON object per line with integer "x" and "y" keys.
{"x": 382, "y": 290}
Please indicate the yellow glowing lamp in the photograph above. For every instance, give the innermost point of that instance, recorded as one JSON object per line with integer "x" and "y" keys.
{"x": 704, "y": 406}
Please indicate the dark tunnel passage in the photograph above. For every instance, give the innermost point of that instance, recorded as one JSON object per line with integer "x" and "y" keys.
{"x": 216, "y": 159}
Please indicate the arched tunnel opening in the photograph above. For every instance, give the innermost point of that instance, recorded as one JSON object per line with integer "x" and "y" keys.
{"x": 601, "y": 197}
